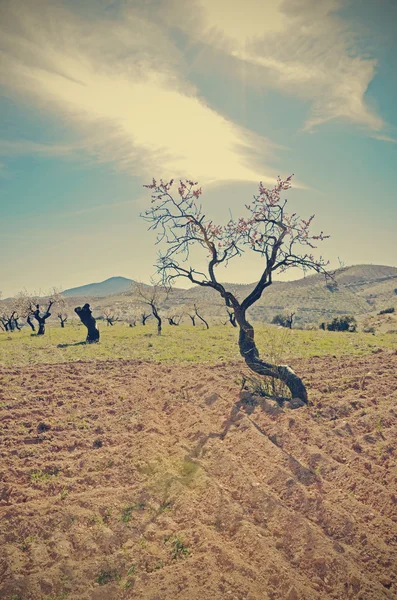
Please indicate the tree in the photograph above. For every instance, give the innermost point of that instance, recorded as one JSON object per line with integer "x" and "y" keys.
{"x": 153, "y": 296}
{"x": 144, "y": 317}
{"x": 199, "y": 315}
{"x": 344, "y": 323}
{"x": 284, "y": 320}
{"x": 85, "y": 315}
{"x": 63, "y": 317}
{"x": 193, "y": 312}
{"x": 25, "y": 305}
{"x": 174, "y": 319}
{"x": 283, "y": 240}
{"x": 41, "y": 317}
{"x": 110, "y": 316}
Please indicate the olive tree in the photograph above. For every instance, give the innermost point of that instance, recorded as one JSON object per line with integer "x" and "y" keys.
{"x": 283, "y": 240}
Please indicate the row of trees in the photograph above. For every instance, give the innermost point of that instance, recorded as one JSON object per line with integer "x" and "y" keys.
{"x": 28, "y": 308}
{"x": 25, "y": 308}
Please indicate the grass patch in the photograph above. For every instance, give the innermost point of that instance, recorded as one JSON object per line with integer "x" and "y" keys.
{"x": 181, "y": 344}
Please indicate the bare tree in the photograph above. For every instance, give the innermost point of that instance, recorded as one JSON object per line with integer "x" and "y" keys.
{"x": 174, "y": 319}
{"x": 85, "y": 315}
{"x": 281, "y": 239}
{"x": 199, "y": 316}
{"x": 145, "y": 316}
{"x": 63, "y": 317}
{"x": 154, "y": 297}
{"x": 111, "y": 316}
{"x": 25, "y": 305}
{"x": 41, "y": 317}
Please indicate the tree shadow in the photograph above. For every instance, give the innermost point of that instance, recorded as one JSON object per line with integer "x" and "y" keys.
{"x": 74, "y": 344}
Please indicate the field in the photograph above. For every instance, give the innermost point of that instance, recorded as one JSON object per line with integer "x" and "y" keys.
{"x": 136, "y": 468}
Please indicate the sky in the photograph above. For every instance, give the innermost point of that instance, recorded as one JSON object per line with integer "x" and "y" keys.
{"x": 97, "y": 97}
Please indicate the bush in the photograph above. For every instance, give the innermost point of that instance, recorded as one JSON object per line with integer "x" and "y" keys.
{"x": 283, "y": 320}
{"x": 344, "y": 323}
{"x": 386, "y": 311}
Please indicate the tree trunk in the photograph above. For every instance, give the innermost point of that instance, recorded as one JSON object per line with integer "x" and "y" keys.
{"x": 29, "y": 322}
{"x": 41, "y": 319}
{"x": 249, "y": 352}
{"x": 203, "y": 320}
{"x": 157, "y": 317}
{"x": 88, "y": 320}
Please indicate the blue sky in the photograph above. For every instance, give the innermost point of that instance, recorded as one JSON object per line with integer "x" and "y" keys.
{"x": 98, "y": 97}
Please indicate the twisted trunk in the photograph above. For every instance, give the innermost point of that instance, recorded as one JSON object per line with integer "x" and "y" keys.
{"x": 89, "y": 321}
{"x": 41, "y": 318}
{"x": 157, "y": 317}
{"x": 249, "y": 352}
{"x": 29, "y": 322}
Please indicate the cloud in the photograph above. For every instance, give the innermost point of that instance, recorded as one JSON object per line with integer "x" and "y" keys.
{"x": 385, "y": 138}
{"x": 301, "y": 47}
{"x": 121, "y": 83}
{"x": 22, "y": 147}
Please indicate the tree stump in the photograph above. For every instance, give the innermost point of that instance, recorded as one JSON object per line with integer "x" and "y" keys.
{"x": 89, "y": 321}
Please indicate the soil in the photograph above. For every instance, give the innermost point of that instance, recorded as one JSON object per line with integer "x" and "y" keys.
{"x": 128, "y": 479}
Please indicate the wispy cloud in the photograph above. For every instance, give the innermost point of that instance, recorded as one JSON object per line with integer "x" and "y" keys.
{"x": 122, "y": 86}
{"x": 22, "y": 147}
{"x": 385, "y": 138}
{"x": 301, "y": 47}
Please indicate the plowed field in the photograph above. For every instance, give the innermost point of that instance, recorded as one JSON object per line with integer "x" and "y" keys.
{"x": 128, "y": 479}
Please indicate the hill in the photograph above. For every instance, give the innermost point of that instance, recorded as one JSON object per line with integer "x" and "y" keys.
{"x": 113, "y": 285}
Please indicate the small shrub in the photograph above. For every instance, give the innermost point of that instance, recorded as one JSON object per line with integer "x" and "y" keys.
{"x": 344, "y": 323}
{"x": 178, "y": 549}
{"x": 386, "y": 311}
{"x": 105, "y": 577}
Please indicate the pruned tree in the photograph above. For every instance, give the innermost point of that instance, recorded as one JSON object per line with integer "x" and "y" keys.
{"x": 111, "y": 316}
{"x": 25, "y": 305}
{"x": 283, "y": 240}
{"x": 154, "y": 297}
{"x": 174, "y": 319}
{"x": 42, "y": 316}
{"x": 199, "y": 315}
{"x": 85, "y": 315}
{"x": 63, "y": 317}
{"x": 145, "y": 316}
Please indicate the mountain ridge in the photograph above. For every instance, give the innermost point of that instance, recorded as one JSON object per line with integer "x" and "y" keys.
{"x": 112, "y": 285}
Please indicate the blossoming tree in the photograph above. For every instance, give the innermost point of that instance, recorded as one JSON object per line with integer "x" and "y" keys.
{"x": 283, "y": 240}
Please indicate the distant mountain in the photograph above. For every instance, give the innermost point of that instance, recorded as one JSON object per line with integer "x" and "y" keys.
{"x": 360, "y": 290}
{"x": 113, "y": 285}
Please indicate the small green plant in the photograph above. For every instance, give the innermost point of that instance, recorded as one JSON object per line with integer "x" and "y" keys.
{"x": 105, "y": 577}
{"x": 127, "y": 511}
{"x": 39, "y": 475}
{"x": 64, "y": 493}
{"x": 131, "y": 570}
{"x": 26, "y": 543}
{"x": 178, "y": 548}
